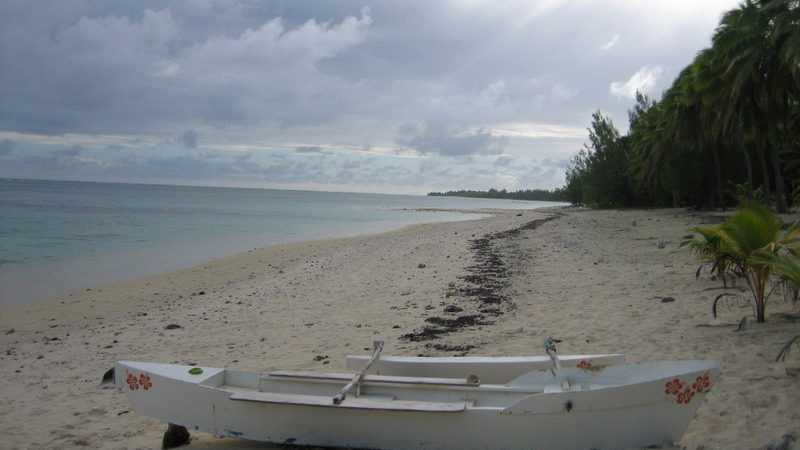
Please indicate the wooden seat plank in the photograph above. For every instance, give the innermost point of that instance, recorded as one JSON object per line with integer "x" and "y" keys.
{"x": 334, "y": 376}
{"x": 381, "y": 404}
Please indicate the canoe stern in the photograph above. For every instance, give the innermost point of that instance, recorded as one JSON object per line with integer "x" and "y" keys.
{"x": 655, "y": 408}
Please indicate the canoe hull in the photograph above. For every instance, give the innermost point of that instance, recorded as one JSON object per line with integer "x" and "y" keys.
{"x": 594, "y": 419}
{"x": 471, "y": 430}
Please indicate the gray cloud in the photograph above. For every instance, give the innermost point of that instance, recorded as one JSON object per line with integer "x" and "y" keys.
{"x": 436, "y": 138}
{"x": 309, "y": 149}
{"x": 188, "y": 63}
{"x": 644, "y": 81}
{"x": 70, "y": 152}
{"x": 189, "y": 138}
{"x": 503, "y": 161}
{"x": 318, "y": 75}
{"x": 6, "y": 147}
{"x": 129, "y": 69}
{"x": 559, "y": 164}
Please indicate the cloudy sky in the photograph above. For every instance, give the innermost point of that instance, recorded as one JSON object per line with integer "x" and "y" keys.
{"x": 392, "y": 96}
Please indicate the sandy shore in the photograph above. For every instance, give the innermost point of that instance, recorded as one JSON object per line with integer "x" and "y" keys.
{"x": 595, "y": 279}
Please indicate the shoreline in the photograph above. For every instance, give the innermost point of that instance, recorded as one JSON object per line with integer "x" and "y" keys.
{"x": 598, "y": 280}
{"x": 224, "y": 265}
{"x": 66, "y": 269}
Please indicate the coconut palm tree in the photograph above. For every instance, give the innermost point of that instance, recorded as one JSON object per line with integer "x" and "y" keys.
{"x": 731, "y": 114}
{"x": 752, "y": 49}
{"x": 691, "y": 121}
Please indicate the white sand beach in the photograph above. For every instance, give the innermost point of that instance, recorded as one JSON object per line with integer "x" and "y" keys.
{"x": 601, "y": 281}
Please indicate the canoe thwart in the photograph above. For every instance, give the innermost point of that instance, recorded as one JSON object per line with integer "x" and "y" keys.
{"x": 334, "y": 376}
{"x": 381, "y": 404}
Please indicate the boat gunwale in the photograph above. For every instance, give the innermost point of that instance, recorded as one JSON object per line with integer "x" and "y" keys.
{"x": 480, "y": 360}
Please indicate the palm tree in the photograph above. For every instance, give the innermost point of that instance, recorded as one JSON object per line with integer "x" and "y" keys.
{"x": 732, "y": 113}
{"x": 785, "y": 18}
{"x": 753, "y": 42}
{"x": 691, "y": 121}
{"x": 648, "y": 145}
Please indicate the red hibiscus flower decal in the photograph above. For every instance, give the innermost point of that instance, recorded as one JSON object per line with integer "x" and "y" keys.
{"x": 673, "y": 387}
{"x": 702, "y": 384}
{"x": 685, "y": 397}
{"x": 584, "y": 364}
{"x": 144, "y": 381}
{"x": 133, "y": 382}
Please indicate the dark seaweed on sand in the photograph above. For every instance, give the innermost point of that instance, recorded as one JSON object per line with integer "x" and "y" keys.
{"x": 483, "y": 284}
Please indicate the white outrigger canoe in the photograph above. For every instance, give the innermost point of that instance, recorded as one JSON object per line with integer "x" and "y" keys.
{"x": 617, "y": 407}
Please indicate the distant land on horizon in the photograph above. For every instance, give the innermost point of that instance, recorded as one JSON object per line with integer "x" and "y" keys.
{"x": 187, "y": 184}
{"x": 544, "y": 195}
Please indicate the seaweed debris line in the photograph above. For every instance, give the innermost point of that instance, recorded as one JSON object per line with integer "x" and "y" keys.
{"x": 479, "y": 293}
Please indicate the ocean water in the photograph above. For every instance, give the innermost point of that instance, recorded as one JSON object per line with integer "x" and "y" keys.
{"x": 58, "y": 236}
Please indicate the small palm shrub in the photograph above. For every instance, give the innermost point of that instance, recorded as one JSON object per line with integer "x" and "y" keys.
{"x": 751, "y": 245}
{"x": 787, "y": 265}
{"x": 707, "y": 246}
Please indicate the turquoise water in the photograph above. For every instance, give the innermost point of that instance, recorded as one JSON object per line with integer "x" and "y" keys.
{"x": 56, "y": 236}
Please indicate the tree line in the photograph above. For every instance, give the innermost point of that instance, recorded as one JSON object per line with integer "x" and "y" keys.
{"x": 555, "y": 195}
{"x": 728, "y": 127}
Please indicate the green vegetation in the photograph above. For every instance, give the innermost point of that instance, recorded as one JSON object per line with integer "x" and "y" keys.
{"x": 728, "y": 127}
{"x": 599, "y": 174}
{"x": 556, "y": 195}
{"x": 751, "y": 245}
